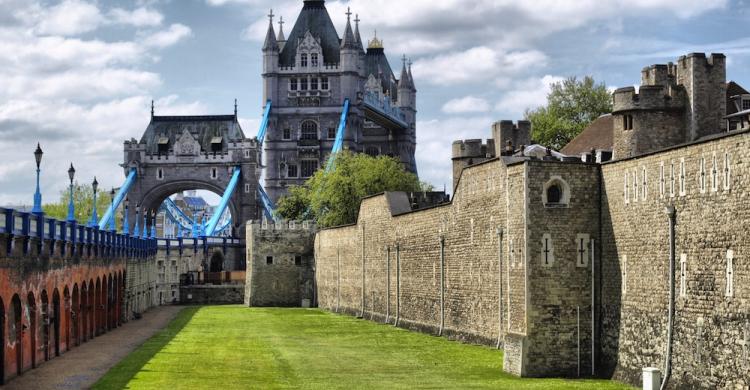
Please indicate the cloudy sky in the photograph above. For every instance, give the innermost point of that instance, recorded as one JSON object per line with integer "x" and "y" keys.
{"x": 79, "y": 75}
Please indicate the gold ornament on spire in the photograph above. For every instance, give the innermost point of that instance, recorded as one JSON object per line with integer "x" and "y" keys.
{"x": 375, "y": 43}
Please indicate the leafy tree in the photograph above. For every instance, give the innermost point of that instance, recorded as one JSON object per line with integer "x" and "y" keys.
{"x": 333, "y": 198}
{"x": 83, "y": 198}
{"x": 572, "y": 105}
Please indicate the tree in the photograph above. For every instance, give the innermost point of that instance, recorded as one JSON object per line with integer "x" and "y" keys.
{"x": 83, "y": 198}
{"x": 333, "y": 198}
{"x": 572, "y": 105}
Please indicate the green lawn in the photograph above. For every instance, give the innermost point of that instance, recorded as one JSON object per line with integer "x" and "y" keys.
{"x": 223, "y": 347}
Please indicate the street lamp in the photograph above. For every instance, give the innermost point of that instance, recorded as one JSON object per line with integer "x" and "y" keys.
{"x": 112, "y": 207}
{"x": 38, "y": 194}
{"x": 71, "y": 206}
{"x": 136, "y": 229}
{"x": 94, "y": 218}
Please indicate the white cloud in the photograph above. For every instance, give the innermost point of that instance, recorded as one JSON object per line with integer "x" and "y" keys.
{"x": 71, "y": 17}
{"x": 434, "y": 151}
{"x": 529, "y": 93}
{"x": 465, "y": 105}
{"x": 477, "y": 64}
{"x": 139, "y": 17}
{"x": 169, "y": 37}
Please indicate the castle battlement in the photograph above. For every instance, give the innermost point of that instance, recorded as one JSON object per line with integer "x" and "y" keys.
{"x": 649, "y": 97}
{"x": 473, "y": 148}
{"x": 715, "y": 60}
{"x": 265, "y": 225}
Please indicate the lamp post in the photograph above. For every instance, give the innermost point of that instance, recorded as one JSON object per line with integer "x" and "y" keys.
{"x": 38, "y": 194}
{"x": 71, "y": 206}
{"x": 94, "y": 216}
{"x": 136, "y": 229}
{"x": 112, "y": 207}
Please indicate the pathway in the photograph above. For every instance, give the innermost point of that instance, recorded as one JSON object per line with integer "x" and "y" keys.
{"x": 82, "y": 366}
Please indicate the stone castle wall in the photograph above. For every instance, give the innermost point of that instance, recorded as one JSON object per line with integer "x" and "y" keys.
{"x": 711, "y": 328}
{"x": 280, "y": 268}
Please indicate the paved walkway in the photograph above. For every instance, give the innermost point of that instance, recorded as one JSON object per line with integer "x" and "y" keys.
{"x": 82, "y": 366}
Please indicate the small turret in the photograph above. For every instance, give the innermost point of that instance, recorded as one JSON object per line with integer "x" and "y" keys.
{"x": 270, "y": 44}
{"x": 357, "y": 36}
{"x": 350, "y": 60}
{"x": 270, "y": 61}
{"x": 281, "y": 37}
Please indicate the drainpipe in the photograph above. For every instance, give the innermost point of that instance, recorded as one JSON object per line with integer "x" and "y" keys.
{"x": 388, "y": 284}
{"x": 670, "y": 210}
{"x": 362, "y": 314}
{"x": 442, "y": 286}
{"x": 398, "y": 284}
{"x": 593, "y": 310}
{"x": 499, "y": 232}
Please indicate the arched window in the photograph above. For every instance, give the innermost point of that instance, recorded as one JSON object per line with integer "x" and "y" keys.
{"x": 309, "y": 130}
{"x": 556, "y": 193}
{"x": 314, "y": 60}
{"x": 303, "y": 60}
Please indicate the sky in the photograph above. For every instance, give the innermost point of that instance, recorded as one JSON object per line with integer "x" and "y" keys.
{"x": 78, "y": 76}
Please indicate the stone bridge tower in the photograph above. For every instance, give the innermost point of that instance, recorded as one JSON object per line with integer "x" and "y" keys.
{"x": 179, "y": 153}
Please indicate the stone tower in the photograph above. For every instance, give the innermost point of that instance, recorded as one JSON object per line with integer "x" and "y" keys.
{"x": 308, "y": 75}
{"x": 676, "y": 103}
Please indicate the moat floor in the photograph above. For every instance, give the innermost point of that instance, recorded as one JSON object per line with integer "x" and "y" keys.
{"x": 235, "y": 347}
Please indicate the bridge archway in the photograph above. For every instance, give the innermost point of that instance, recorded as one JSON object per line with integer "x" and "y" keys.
{"x": 16, "y": 330}
{"x": 44, "y": 311}
{"x": 33, "y": 327}
{"x": 153, "y": 200}
{"x": 56, "y": 321}
{"x": 75, "y": 315}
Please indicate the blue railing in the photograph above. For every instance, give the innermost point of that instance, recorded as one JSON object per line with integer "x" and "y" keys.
{"x": 27, "y": 230}
{"x": 383, "y": 106}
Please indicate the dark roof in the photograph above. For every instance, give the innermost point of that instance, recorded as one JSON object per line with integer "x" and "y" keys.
{"x": 195, "y": 201}
{"x": 314, "y": 18}
{"x": 598, "y": 135}
{"x": 733, "y": 89}
{"x": 202, "y": 127}
{"x": 375, "y": 63}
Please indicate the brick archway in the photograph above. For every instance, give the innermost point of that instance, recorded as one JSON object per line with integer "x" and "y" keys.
{"x": 16, "y": 327}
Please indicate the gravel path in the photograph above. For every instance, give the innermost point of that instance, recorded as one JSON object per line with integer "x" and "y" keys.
{"x": 82, "y": 366}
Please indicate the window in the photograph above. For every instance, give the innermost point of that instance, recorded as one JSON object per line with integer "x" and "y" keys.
{"x": 287, "y": 134}
{"x": 291, "y": 170}
{"x": 309, "y": 130}
{"x": 308, "y": 167}
{"x": 247, "y": 153}
{"x": 635, "y": 186}
{"x": 314, "y": 60}
{"x": 214, "y": 173}
{"x": 661, "y": 180}
{"x": 269, "y": 259}
{"x": 745, "y": 104}
{"x": 554, "y": 194}
{"x": 159, "y": 174}
{"x": 582, "y": 250}
{"x": 683, "y": 189}
{"x": 548, "y": 253}
{"x": 293, "y": 84}
{"x": 644, "y": 188}
{"x": 702, "y": 175}
{"x": 314, "y": 84}
{"x": 372, "y": 151}
{"x": 298, "y": 260}
{"x": 324, "y": 83}
{"x": 627, "y": 122}
{"x": 729, "y": 291}
{"x": 714, "y": 175}
{"x": 331, "y": 133}
{"x": 303, "y": 84}
{"x": 672, "y": 178}
{"x": 303, "y": 60}
{"x": 727, "y": 171}
{"x": 247, "y": 188}
{"x": 683, "y": 275}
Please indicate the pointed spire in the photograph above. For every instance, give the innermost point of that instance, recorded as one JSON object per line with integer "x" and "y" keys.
{"x": 281, "y": 37}
{"x": 270, "y": 43}
{"x": 357, "y": 36}
{"x": 411, "y": 78}
{"x": 152, "y": 108}
{"x": 403, "y": 81}
{"x": 235, "y": 108}
{"x": 349, "y": 42}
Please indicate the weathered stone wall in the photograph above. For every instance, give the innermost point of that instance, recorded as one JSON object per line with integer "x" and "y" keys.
{"x": 712, "y": 325}
{"x": 281, "y": 264}
{"x": 212, "y": 295}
